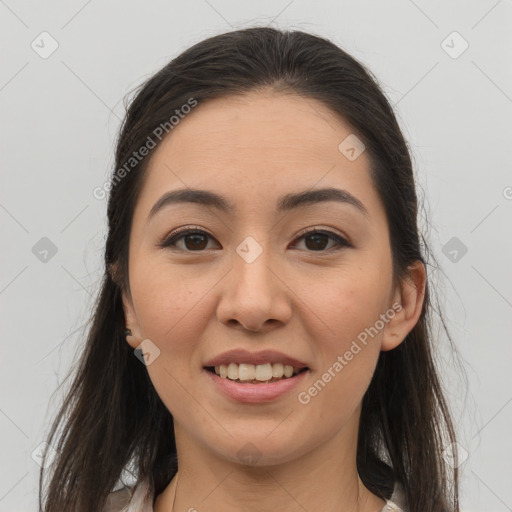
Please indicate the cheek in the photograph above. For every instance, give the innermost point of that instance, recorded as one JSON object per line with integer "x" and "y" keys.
{"x": 343, "y": 313}
{"x": 348, "y": 301}
{"x": 173, "y": 310}
{"x": 347, "y": 346}
{"x": 169, "y": 302}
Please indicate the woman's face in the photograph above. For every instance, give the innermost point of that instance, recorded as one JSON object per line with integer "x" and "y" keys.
{"x": 253, "y": 280}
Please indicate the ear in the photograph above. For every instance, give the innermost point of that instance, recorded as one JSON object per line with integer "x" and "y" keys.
{"x": 407, "y": 303}
{"x": 131, "y": 322}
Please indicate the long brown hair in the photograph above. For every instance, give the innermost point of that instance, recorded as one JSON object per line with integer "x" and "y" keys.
{"x": 112, "y": 418}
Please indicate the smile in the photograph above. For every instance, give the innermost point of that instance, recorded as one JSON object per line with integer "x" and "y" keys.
{"x": 254, "y": 391}
{"x": 254, "y": 374}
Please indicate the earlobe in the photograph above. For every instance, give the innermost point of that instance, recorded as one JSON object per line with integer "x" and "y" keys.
{"x": 130, "y": 338}
{"x": 131, "y": 331}
{"x": 408, "y": 304}
{"x": 113, "y": 272}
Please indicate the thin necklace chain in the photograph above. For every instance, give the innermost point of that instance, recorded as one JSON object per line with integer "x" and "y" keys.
{"x": 175, "y": 492}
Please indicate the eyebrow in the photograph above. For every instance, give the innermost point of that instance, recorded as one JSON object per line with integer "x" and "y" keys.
{"x": 285, "y": 203}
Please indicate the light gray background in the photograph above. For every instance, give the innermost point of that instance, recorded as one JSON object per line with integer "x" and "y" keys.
{"x": 59, "y": 118}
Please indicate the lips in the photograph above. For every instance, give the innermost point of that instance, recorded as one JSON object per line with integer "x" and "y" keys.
{"x": 255, "y": 393}
{"x": 240, "y": 356}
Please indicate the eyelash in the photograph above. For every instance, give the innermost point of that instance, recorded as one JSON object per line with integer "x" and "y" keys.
{"x": 170, "y": 241}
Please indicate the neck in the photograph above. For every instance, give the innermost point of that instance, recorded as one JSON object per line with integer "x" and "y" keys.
{"x": 325, "y": 478}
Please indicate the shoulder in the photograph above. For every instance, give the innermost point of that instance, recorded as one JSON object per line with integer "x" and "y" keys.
{"x": 119, "y": 500}
{"x": 397, "y": 502}
{"x": 138, "y": 498}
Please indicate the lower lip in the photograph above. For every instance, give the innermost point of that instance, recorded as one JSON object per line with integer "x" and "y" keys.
{"x": 256, "y": 393}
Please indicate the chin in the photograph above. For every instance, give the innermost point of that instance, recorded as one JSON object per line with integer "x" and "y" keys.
{"x": 259, "y": 451}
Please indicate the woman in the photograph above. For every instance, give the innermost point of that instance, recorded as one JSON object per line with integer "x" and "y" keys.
{"x": 261, "y": 340}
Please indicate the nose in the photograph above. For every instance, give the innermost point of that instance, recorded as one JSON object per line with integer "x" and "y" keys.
{"x": 255, "y": 295}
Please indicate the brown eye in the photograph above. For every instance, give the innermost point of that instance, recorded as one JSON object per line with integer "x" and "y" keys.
{"x": 194, "y": 240}
{"x": 316, "y": 240}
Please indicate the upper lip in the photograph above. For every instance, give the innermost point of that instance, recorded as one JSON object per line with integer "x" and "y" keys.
{"x": 241, "y": 356}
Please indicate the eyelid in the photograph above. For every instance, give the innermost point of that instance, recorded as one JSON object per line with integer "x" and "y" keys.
{"x": 185, "y": 229}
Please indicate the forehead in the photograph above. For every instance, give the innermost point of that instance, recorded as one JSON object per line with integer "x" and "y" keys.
{"x": 254, "y": 146}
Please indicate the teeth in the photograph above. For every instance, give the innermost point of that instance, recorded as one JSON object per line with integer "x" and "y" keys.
{"x": 263, "y": 372}
{"x": 288, "y": 371}
{"x": 277, "y": 370}
{"x": 246, "y": 372}
{"x": 260, "y": 372}
{"x": 232, "y": 371}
